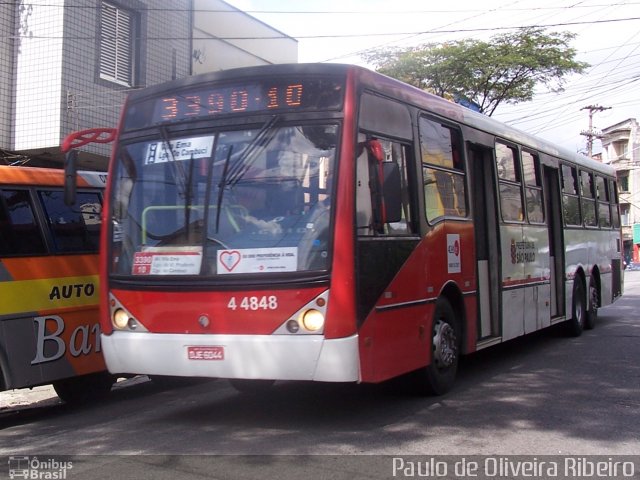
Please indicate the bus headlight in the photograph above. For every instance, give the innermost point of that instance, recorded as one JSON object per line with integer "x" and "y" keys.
{"x": 120, "y": 319}
{"x": 310, "y": 319}
{"x": 313, "y": 320}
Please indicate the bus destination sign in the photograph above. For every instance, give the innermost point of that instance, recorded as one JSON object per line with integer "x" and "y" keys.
{"x": 267, "y": 95}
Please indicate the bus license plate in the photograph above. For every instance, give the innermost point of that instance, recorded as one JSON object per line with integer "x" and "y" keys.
{"x": 205, "y": 353}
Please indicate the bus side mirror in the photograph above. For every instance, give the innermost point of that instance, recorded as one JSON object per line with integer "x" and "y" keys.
{"x": 70, "y": 166}
{"x": 392, "y": 192}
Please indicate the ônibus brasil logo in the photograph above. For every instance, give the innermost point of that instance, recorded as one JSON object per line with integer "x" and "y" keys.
{"x": 38, "y": 469}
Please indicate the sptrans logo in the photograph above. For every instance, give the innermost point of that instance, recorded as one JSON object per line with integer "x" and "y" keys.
{"x": 454, "y": 264}
{"x": 38, "y": 469}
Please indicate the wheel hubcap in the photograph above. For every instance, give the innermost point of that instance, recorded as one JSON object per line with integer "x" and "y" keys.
{"x": 594, "y": 299}
{"x": 444, "y": 345}
{"x": 579, "y": 312}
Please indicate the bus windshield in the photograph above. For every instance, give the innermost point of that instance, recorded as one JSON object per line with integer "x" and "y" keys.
{"x": 209, "y": 203}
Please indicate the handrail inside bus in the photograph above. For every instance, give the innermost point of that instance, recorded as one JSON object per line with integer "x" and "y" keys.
{"x": 155, "y": 208}
{"x": 69, "y": 145}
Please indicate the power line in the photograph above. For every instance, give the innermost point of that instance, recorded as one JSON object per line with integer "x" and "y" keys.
{"x": 338, "y": 12}
{"x": 346, "y": 35}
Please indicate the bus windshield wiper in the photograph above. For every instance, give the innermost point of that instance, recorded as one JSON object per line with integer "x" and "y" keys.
{"x": 222, "y": 186}
{"x": 248, "y": 155}
{"x": 183, "y": 182}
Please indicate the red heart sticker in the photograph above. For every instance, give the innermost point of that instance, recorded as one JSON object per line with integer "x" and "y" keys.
{"x": 230, "y": 259}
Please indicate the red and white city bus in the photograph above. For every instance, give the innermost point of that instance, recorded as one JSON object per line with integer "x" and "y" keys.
{"x": 324, "y": 222}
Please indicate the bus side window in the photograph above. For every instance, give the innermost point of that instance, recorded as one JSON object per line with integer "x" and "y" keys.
{"x": 587, "y": 192}
{"x": 604, "y": 205}
{"x": 372, "y": 217}
{"x": 615, "y": 207}
{"x": 75, "y": 227}
{"x": 443, "y": 172}
{"x": 570, "y": 200}
{"x": 19, "y": 230}
{"x": 533, "y": 187}
{"x": 510, "y": 181}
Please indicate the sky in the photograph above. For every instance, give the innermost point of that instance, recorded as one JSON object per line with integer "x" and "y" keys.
{"x": 607, "y": 38}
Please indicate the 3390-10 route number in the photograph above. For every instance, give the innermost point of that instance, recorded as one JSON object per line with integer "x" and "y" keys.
{"x": 253, "y": 303}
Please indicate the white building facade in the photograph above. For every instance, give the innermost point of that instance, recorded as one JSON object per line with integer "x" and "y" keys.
{"x": 621, "y": 149}
{"x": 68, "y": 65}
{"x": 225, "y": 37}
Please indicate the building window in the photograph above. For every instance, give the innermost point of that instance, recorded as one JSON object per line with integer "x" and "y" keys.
{"x": 623, "y": 180}
{"x": 117, "y": 44}
{"x": 625, "y": 218}
{"x": 621, "y": 150}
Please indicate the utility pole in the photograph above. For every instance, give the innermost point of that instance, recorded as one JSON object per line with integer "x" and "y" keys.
{"x": 591, "y": 134}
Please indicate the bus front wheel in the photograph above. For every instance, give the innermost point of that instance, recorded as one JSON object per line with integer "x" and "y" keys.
{"x": 438, "y": 377}
{"x": 445, "y": 349}
{"x": 85, "y": 387}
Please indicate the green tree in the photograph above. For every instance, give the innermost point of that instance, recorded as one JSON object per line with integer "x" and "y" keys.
{"x": 506, "y": 68}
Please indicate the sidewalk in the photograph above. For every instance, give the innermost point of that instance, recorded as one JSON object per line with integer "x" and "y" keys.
{"x": 24, "y": 397}
{"x": 45, "y": 395}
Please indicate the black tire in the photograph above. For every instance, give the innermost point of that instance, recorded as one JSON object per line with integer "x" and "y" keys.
{"x": 84, "y": 388}
{"x": 168, "y": 382}
{"x": 594, "y": 303}
{"x": 445, "y": 349}
{"x": 576, "y": 324}
{"x": 251, "y": 387}
{"x": 438, "y": 377}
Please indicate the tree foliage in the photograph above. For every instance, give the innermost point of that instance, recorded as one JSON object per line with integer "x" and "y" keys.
{"x": 506, "y": 68}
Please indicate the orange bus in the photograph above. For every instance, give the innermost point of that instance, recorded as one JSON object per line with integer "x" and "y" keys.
{"x": 325, "y": 222}
{"x": 49, "y": 329}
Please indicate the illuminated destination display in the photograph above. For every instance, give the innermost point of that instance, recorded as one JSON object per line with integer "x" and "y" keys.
{"x": 270, "y": 95}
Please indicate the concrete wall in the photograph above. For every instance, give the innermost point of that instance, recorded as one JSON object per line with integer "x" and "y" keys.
{"x": 7, "y": 30}
{"x": 38, "y": 81}
{"x": 164, "y": 53}
{"x": 50, "y": 81}
{"x": 225, "y": 37}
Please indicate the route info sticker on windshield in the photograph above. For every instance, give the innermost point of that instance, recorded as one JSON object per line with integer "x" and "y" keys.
{"x": 181, "y": 149}
{"x": 258, "y": 260}
{"x": 168, "y": 261}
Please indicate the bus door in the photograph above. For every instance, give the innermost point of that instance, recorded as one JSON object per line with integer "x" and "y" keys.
{"x": 487, "y": 233}
{"x": 556, "y": 244}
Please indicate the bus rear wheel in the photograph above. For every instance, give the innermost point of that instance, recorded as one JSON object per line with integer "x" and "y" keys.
{"x": 594, "y": 303}
{"x": 576, "y": 325}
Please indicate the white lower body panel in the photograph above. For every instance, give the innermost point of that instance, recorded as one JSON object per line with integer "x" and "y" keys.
{"x": 278, "y": 357}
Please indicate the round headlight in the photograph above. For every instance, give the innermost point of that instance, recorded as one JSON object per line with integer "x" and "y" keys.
{"x": 120, "y": 319}
{"x": 313, "y": 320}
{"x": 293, "y": 326}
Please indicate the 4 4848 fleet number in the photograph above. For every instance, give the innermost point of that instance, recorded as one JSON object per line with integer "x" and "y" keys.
{"x": 265, "y": 302}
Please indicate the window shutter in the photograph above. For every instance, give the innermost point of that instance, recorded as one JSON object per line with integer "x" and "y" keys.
{"x": 116, "y": 45}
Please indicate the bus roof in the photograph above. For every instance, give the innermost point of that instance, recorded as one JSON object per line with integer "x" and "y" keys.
{"x": 20, "y": 175}
{"x": 390, "y": 87}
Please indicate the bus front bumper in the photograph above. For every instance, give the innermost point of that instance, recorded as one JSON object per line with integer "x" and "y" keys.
{"x": 278, "y": 357}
